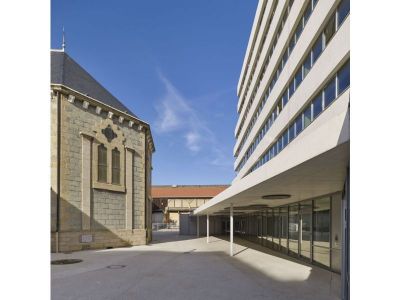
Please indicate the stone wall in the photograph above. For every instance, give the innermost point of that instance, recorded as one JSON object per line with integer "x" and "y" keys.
{"x": 112, "y": 217}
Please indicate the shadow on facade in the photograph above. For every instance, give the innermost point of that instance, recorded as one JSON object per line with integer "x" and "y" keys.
{"x": 104, "y": 228}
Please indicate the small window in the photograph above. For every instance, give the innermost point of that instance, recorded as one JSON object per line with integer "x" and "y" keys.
{"x": 285, "y": 139}
{"x": 116, "y": 167}
{"x": 299, "y": 124}
{"x": 314, "y": 3}
{"x": 291, "y": 45}
{"x": 317, "y": 106}
{"x": 282, "y": 141}
{"x": 299, "y": 77}
{"x": 343, "y": 11}
{"x": 330, "y": 92}
{"x": 299, "y": 30}
{"x": 307, "y": 13}
{"x": 330, "y": 29}
{"x": 317, "y": 49}
{"x": 284, "y": 98}
{"x": 291, "y": 133}
{"x": 344, "y": 78}
{"x": 102, "y": 163}
{"x": 307, "y": 116}
{"x": 284, "y": 58}
{"x": 291, "y": 88}
{"x": 279, "y": 107}
{"x": 307, "y": 64}
{"x": 278, "y": 146}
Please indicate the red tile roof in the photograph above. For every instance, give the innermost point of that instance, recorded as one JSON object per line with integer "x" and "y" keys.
{"x": 187, "y": 191}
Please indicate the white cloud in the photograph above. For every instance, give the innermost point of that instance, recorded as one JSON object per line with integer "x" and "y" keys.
{"x": 176, "y": 115}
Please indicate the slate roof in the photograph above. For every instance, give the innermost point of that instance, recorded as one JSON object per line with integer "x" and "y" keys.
{"x": 186, "y": 191}
{"x": 65, "y": 71}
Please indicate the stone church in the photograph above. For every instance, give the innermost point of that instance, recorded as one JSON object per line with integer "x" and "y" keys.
{"x": 101, "y": 163}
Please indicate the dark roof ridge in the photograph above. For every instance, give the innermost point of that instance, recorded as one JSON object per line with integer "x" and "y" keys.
{"x": 69, "y": 73}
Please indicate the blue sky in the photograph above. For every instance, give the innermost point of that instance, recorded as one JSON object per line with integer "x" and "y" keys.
{"x": 176, "y": 65}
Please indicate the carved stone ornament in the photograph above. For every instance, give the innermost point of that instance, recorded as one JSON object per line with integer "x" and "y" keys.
{"x": 71, "y": 98}
{"x": 109, "y": 133}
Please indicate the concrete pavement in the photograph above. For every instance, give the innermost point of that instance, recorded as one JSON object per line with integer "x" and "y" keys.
{"x": 186, "y": 267}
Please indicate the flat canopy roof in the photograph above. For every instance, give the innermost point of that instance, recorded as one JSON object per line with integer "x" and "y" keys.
{"x": 186, "y": 191}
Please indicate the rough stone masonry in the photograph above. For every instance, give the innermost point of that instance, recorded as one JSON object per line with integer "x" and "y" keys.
{"x": 100, "y": 164}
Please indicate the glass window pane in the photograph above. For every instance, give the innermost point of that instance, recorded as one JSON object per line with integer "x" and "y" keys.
{"x": 343, "y": 11}
{"x": 270, "y": 227}
{"x": 330, "y": 92}
{"x": 291, "y": 45}
{"x": 284, "y": 98}
{"x": 299, "y": 124}
{"x": 344, "y": 78}
{"x": 307, "y": 12}
{"x": 314, "y": 3}
{"x": 115, "y": 166}
{"x": 291, "y": 133}
{"x": 305, "y": 227}
{"x": 291, "y": 88}
{"x": 307, "y": 64}
{"x": 317, "y": 49}
{"x": 321, "y": 231}
{"x": 293, "y": 229}
{"x": 330, "y": 29}
{"x": 299, "y": 29}
{"x": 276, "y": 231}
{"x": 299, "y": 77}
{"x": 307, "y": 116}
{"x": 102, "y": 163}
{"x": 285, "y": 139}
{"x": 284, "y": 228}
{"x": 317, "y": 106}
{"x": 281, "y": 141}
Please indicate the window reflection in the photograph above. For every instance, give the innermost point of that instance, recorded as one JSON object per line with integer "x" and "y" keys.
{"x": 284, "y": 228}
{"x": 321, "y": 231}
{"x": 305, "y": 228}
{"x": 344, "y": 78}
{"x": 330, "y": 92}
{"x": 293, "y": 229}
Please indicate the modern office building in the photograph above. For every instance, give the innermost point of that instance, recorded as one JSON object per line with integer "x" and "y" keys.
{"x": 101, "y": 155}
{"x": 291, "y": 190}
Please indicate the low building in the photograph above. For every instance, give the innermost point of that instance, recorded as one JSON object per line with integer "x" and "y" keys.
{"x": 174, "y": 200}
{"x": 101, "y": 155}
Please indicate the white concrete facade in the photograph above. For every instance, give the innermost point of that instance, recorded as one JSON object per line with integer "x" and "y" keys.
{"x": 330, "y": 129}
{"x": 293, "y": 135}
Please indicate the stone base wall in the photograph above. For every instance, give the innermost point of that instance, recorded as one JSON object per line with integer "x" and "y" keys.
{"x": 71, "y": 241}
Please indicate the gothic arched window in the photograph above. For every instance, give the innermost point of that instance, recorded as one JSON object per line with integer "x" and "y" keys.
{"x": 102, "y": 163}
{"x": 116, "y": 167}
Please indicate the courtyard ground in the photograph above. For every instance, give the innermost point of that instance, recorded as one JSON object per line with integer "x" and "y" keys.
{"x": 186, "y": 267}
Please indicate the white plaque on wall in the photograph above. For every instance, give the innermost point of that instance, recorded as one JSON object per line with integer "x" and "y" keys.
{"x": 86, "y": 238}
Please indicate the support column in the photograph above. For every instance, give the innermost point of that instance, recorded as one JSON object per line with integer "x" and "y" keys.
{"x": 231, "y": 229}
{"x": 86, "y": 182}
{"x": 198, "y": 231}
{"x": 208, "y": 228}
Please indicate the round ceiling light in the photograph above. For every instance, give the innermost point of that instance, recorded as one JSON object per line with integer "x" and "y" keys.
{"x": 276, "y": 196}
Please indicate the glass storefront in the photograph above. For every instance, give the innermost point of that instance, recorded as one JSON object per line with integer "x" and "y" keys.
{"x": 309, "y": 230}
